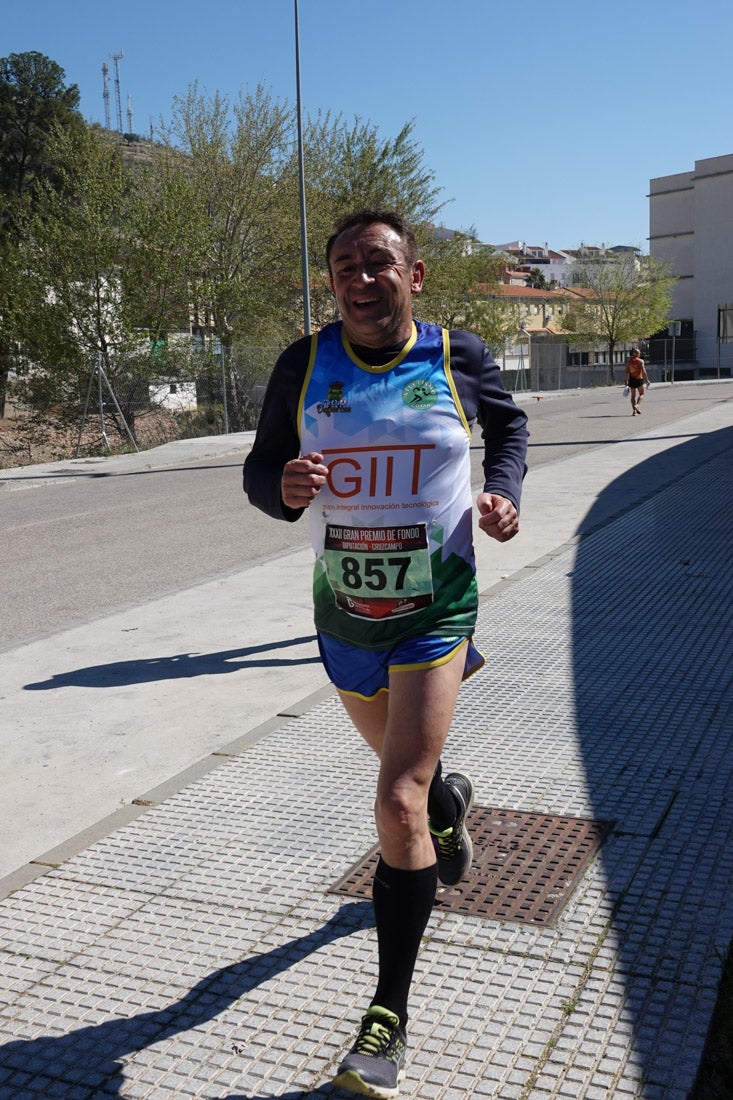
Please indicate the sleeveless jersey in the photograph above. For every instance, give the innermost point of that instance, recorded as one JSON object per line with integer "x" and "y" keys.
{"x": 392, "y": 527}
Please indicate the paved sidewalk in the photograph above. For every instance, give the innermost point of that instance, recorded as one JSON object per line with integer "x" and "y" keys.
{"x": 196, "y": 950}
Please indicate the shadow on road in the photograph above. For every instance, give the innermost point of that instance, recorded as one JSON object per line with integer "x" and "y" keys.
{"x": 90, "y": 1060}
{"x": 180, "y": 666}
{"x": 652, "y": 638}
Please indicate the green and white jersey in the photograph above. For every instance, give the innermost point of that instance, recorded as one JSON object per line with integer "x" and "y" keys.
{"x": 391, "y": 529}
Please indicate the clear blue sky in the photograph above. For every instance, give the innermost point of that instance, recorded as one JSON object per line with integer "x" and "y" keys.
{"x": 542, "y": 121}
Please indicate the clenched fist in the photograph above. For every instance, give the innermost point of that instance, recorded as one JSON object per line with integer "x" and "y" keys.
{"x": 302, "y": 479}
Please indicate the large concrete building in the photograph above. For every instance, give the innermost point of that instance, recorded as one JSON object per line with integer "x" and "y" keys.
{"x": 691, "y": 228}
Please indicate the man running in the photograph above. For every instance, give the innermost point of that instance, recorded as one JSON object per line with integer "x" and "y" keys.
{"x": 367, "y": 425}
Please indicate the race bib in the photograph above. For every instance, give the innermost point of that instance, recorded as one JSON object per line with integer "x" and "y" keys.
{"x": 379, "y": 572}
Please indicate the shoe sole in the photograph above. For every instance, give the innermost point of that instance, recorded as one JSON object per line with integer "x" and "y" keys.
{"x": 468, "y": 846}
{"x": 468, "y": 843}
{"x": 353, "y": 1082}
{"x": 472, "y": 793}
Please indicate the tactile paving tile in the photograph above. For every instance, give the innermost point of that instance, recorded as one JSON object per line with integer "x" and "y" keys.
{"x": 525, "y": 865}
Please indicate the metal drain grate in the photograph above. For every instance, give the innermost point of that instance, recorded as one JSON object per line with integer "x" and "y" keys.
{"x": 525, "y": 866}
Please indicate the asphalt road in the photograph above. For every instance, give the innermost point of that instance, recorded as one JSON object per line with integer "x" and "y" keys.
{"x": 79, "y": 543}
{"x": 152, "y": 621}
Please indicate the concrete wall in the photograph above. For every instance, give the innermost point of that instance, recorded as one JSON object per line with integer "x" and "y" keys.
{"x": 691, "y": 227}
{"x": 713, "y": 241}
{"x": 672, "y": 234}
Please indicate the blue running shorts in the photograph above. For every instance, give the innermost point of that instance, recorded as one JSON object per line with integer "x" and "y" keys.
{"x": 365, "y": 672}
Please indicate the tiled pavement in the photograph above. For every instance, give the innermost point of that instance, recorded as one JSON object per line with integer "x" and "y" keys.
{"x": 197, "y": 951}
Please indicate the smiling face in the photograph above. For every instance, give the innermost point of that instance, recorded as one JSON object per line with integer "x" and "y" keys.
{"x": 374, "y": 284}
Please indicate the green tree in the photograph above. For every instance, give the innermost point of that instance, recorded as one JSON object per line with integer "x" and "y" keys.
{"x": 166, "y": 234}
{"x": 79, "y": 251}
{"x": 238, "y": 157}
{"x": 623, "y": 300}
{"x": 244, "y": 206}
{"x": 34, "y": 103}
{"x": 205, "y": 230}
{"x": 353, "y": 167}
{"x": 460, "y": 276}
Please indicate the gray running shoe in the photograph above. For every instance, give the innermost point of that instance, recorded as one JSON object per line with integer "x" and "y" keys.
{"x": 453, "y": 845}
{"x": 375, "y": 1063}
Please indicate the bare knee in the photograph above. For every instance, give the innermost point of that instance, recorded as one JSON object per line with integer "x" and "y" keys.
{"x": 401, "y": 812}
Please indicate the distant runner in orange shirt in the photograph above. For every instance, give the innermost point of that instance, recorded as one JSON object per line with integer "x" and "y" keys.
{"x": 636, "y": 376}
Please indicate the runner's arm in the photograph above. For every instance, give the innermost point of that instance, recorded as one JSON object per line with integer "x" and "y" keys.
{"x": 277, "y": 439}
{"x": 503, "y": 423}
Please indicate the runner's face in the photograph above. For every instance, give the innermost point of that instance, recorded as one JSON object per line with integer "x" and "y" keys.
{"x": 374, "y": 285}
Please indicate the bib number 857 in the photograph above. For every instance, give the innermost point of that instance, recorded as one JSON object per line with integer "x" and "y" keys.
{"x": 371, "y": 573}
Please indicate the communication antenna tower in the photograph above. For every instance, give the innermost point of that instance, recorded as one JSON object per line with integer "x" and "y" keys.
{"x": 129, "y": 113}
{"x": 117, "y": 57}
{"x": 105, "y": 92}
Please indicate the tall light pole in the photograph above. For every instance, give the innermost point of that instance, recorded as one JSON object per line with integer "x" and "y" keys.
{"x": 301, "y": 173}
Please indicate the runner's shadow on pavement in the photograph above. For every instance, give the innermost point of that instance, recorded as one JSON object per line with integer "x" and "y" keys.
{"x": 327, "y": 1091}
{"x": 181, "y": 666}
{"x": 90, "y": 1060}
{"x": 299, "y": 1094}
{"x": 651, "y": 599}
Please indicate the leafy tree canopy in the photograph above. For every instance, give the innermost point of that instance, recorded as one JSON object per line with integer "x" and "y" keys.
{"x": 33, "y": 101}
{"x": 115, "y": 254}
{"x": 625, "y": 299}
{"x": 75, "y": 243}
{"x": 537, "y": 279}
{"x": 242, "y": 205}
{"x": 458, "y": 273}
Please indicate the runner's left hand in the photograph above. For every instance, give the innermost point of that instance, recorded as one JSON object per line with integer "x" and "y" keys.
{"x": 499, "y": 518}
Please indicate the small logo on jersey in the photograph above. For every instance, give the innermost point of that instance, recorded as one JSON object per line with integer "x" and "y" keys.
{"x": 335, "y": 402}
{"x": 420, "y": 394}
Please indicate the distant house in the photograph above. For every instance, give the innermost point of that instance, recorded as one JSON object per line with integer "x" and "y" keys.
{"x": 541, "y": 345}
{"x": 538, "y": 312}
{"x": 555, "y": 266}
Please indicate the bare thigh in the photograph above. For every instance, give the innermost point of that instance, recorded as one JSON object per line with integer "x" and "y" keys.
{"x": 407, "y": 729}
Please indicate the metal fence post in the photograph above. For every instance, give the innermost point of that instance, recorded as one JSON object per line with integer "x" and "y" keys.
{"x": 224, "y": 388}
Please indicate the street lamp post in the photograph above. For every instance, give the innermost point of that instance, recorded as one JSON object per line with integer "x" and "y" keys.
{"x": 301, "y": 173}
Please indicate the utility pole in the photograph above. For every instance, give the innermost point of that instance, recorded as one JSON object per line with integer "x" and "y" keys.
{"x": 301, "y": 173}
{"x": 117, "y": 57}
{"x": 129, "y": 113}
{"x": 105, "y": 92}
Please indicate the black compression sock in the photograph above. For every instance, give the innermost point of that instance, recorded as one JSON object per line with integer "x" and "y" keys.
{"x": 442, "y": 809}
{"x": 403, "y": 902}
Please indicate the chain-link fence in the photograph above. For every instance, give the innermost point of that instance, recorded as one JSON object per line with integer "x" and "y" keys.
{"x": 223, "y": 394}
{"x": 126, "y": 406}
{"x": 687, "y": 358}
{"x": 550, "y": 364}
{"x": 537, "y": 376}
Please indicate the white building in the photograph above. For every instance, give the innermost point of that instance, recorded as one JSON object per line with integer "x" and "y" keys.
{"x": 691, "y": 228}
{"x": 175, "y": 396}
{"x": 555, "y": 266}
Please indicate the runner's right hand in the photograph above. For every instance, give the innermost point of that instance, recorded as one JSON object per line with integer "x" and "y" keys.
{"x": 302, "y": 479}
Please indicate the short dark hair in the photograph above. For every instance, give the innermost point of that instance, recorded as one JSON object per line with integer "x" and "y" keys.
{"x": 363, "y": 218}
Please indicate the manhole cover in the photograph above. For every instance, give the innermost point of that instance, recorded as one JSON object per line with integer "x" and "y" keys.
{"x": 525, "y": 865}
